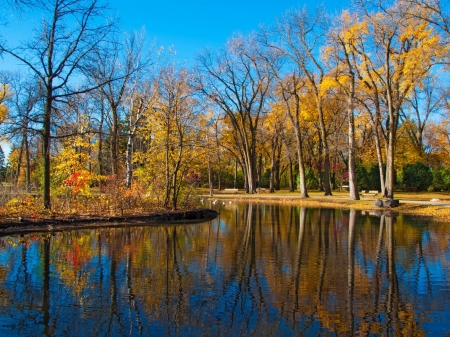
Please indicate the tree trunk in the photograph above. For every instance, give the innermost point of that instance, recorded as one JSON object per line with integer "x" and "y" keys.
{"x": 326, "y": 151}
{"x": 273, "y": 166}
{"x": 19, "y": 162}
{"x": 28, "y": 161}
{"x": 291, "y": 177}
{"x": 352, "y": 181}
{"x": 129, "y": 161}
{"x": 100, "y": 145}
{"x": 114, "y": 142}
{"x": 235, "y": 173}
{"x": 46, "y": 140}
{"x": 210, "y": 177}
{"x": 301, "y": 167}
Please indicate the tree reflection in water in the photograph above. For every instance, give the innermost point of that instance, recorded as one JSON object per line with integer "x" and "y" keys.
{"x": 257, "y": 269}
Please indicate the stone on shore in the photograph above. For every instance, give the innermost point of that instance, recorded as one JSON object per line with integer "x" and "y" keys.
{"x": 390, "y": 203}
{"x": 378, "y": 203}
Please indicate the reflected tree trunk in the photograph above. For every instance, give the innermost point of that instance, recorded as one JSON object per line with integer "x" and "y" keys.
{"x": 351, "y": 269}
{"x": 377, "y": 276}
{"x": 46, "y": 285}
{"x": 392, "y": 305}
{"x": 298, "y": 262}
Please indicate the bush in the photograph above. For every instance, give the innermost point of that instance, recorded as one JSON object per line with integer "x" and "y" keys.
{"x": 312, "y": 182}
{"x": 373, "y": 177}
{"x": 441, "y": 180}
{"x": 417, "y": 174}
{"x": 362, "y": 177}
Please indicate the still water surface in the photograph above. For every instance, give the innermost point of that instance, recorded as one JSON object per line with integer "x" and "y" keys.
{"x": 262, "y": 270}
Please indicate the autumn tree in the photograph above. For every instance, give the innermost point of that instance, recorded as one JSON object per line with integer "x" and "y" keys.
{"x": 273, "y": 127}
{"x": 291, "y": 94}
{"x": 175, "y": 117}
{"x": 56, "y": 54}
{"x": 434, "y": 12}
{"x": 399, "y": 53}
{"x": 137, "y": 105}
{"x": 341, "y": 54}
{"x": 5, "y": 94}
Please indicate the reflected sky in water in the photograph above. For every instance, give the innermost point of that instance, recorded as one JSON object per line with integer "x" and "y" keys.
{"x": 265, "y": 270}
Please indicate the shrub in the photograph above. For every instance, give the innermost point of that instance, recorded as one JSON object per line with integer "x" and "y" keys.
{"x": 441, "y": 180}
{"x": 312, "y": 182}
{"x": 362, "y": 177}
{"x": 417, "y": 174}
{"x": 373, "y": 177}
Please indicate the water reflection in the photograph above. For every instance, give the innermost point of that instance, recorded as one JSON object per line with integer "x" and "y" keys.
{"x": 257, "y": 269}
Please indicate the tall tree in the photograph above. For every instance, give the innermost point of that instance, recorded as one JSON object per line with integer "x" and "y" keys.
{"x": 175, "y": 117}
{"x": 399, "y": 53}
{"x": 122, "y": 65}
{"x": 425, "y": 101}
{"x": 70, "y": 31}
{"x": 24, "y": 111}
{"x": 301, "y": 34}
{"x": 238, "y": 81}
{"x": 341, "y": 53}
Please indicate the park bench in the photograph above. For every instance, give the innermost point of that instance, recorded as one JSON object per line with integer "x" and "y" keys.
{"x": 369, "y": 193}
{"x": 345, "y": 187}
{"x": 231, "y": 190}
{"x": 412, "y": 189}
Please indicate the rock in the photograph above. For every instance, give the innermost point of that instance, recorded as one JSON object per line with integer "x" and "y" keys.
{"x": 390, "y": 203}
{"x": 377, "y": 213}
{"x": 378, "y": 203}
{"x": 435, "y": 199}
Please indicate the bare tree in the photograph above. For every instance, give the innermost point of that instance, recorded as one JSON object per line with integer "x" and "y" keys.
{"x": 300, "y": 36}
{"x": 237, "y": 80}
{"x": 56, "y": 55}
{"x": 290, "y": 86}
{"x": 343, "y": 56}
{"x": 22, "y": 116}
{"x": 122, "y": 65}
{"x": 424, "y": 102}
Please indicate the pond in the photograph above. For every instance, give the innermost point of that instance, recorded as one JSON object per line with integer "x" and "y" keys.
{"x": 263, "y": 270}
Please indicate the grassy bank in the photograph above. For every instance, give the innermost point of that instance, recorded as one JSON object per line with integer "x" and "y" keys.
{"x": 415, "y": 204}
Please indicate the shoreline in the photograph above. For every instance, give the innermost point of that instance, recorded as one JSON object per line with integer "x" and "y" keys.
{"x": 436, "y": 211}
{"x": 54, "y": 224}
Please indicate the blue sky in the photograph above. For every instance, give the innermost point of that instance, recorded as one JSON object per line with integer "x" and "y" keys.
{"x": 190, "y": 26}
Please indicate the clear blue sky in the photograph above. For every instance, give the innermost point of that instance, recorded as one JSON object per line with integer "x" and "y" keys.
{"x": 190, "y": 26}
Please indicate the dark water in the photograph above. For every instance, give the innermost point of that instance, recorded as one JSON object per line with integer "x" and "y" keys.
{"x": 261, "y": 270}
